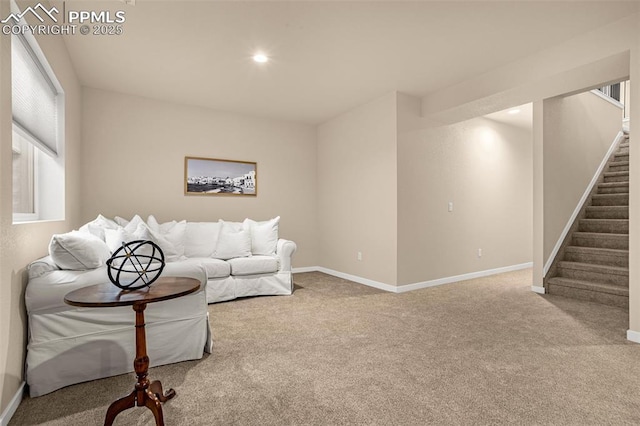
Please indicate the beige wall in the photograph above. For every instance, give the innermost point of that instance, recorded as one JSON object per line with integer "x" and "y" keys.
{"x": 578, "y": 131}
{"x": 357, "y": 174}
{"x": 133, "y": 163}
{"x": 485, "y": 168}
{"x": 606, "y": 54}
{"x": 20, "y": 244}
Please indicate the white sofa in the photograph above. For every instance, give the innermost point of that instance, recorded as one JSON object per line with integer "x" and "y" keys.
{"x": 260, "y": 266}
{"x": 70, "y": 345}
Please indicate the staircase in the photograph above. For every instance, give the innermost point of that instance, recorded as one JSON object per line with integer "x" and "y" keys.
{"x": 593, "y": 263}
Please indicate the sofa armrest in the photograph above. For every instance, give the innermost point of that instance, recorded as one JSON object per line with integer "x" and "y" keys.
{"x": 284, "y": 251}
{"x": 41, "y": 266}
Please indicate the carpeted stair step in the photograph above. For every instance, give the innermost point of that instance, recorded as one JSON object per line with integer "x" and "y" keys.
{"x": 621, "y": 156}
{"x": 618, "y": 166}
{"x": 594, "y": 263}
{"x": 605, "y": 294}
{"x": 616, "y": 177}
{"x": 597, "y": 256}
{"x": 607, "y": 212}
{"x": 609, "y": 226}
{"x": 613, "y": 188}
{"x": 595, "y": 273}
{"x": 595, "y": 239}
{"x": 610, "y": 200}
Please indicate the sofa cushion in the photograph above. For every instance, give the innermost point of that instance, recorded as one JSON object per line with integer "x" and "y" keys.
{"x": 232, "y": 242}
{"x": 78, "y": 251}
{"x": 215, "y": 268}
{"x": 264, "y": 236}
{"x": 200, "y": 238}
{"x": 253, "y": 265}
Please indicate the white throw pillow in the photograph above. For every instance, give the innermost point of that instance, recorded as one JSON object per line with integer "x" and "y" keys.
{"x": 97, "y": 226}
{"x": 152, "y": 222}
{"x": 232, "y": 242}
{"x": 173, "y": 231}
{"x": 200, "y": 238}
{"x": 132, "y": 226}
{"x": 115, "y": 237}
{"x": 264, "y": 236}
{"x": 78, "y": 251}
{"x": 236, "y": 226}
{"x": 121, "y": 221}
{"x": 168, "y": 249}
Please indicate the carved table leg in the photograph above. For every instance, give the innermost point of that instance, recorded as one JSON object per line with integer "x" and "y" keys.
{"x": 119, "y": 406}
{"x": 152, "y": 403}
{"x": 146, "y": 394}
{"x": 156, "y": 389}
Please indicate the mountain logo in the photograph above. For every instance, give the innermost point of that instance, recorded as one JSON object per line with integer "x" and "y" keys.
{"x": 34, "y": 11}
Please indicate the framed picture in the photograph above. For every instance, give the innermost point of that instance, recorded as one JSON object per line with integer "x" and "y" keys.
{"x": 212, "y": 176}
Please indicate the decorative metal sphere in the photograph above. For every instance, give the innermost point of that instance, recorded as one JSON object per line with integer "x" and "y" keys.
{"x": 136, "y": 264}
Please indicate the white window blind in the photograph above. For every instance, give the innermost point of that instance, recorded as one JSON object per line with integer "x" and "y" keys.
{"x": 35, "y": 110}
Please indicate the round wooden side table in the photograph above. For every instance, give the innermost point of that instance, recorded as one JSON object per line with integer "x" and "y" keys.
{"x": 146, "y": 393}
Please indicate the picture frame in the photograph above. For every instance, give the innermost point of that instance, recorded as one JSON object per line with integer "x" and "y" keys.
{"x": 218, "y": 177}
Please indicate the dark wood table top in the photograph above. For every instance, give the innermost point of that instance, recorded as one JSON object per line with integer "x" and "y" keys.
{"x": 108, "y": 295}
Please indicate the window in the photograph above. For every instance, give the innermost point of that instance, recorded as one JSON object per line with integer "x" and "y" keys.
{"x": 613, "y": 91}
{"x": 23, "y": 178}
{"x": 38, "y": 134}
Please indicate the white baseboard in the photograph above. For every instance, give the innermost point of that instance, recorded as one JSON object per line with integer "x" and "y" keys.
{"x": 13, "y": 406}
{"x": 538, "y": 289}
{"x": 575, "y": 213}
{"x": 633, "y": 336}
{"x": 414, "y": 286}
{"x": 463, "y": 277}
{"x": 305, "y": 269}
{"x": 359, "y": 280}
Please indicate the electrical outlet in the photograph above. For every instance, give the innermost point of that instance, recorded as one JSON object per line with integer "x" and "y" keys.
{"x": 480, "y": 252}
{"x": 359, "y": 256}
{"x": 450, "y": 206}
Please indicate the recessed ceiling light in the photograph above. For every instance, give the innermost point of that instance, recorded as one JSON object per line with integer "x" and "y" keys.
{"x": 513, "y": 111}
{"x": 260, "y": 58}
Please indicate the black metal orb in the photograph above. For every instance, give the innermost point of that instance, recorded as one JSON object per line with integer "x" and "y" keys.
{"x": 136, "y": 264}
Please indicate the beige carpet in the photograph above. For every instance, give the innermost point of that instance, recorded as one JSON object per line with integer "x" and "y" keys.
{"x": 485, "y": 351}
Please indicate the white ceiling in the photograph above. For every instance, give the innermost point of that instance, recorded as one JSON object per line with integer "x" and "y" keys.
{"x": 327, "y": 57}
